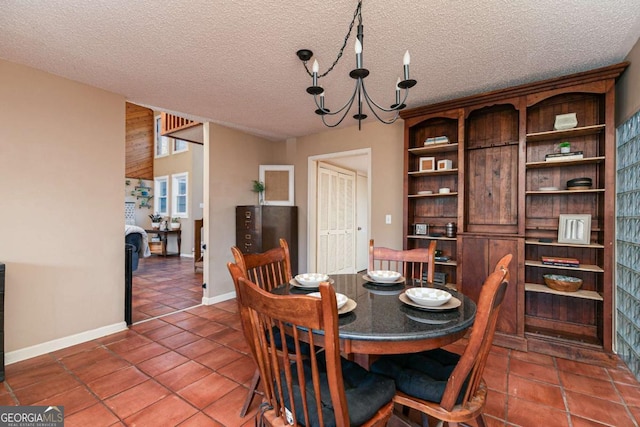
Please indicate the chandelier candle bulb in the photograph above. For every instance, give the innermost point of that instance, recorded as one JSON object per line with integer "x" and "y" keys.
{"x": 406, "y": 61}
{"x": 397, "y": 92}
{"x": 358, "y": 53}
{"x": 315, "y": 69}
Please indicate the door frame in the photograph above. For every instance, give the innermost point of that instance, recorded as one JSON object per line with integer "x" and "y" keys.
{"x": 312, "y": 187}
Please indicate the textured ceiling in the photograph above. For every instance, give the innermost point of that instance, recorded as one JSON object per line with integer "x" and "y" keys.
{"x": 234, "y": 62}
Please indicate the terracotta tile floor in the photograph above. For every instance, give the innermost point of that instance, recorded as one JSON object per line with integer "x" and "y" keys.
{"x": 163, "y": 285}
{"x": 192, "y": 368}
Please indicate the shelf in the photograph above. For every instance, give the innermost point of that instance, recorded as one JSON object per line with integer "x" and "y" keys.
{"x": 427, "y": 237}
{"x": 415, "y": 196}
{"x": 436, "y": 148}
{"x": 578, "y": 162}
{"x": 546, "y": 335}
{"x": 555, "y": 243}
{"x": 534, "y": 287}
{"x": 568, "y": 133}
{"x": 450, "y": 263}
{"x": 558, "y": 192}
{"x": 440, "y": 172}
{"x": 583, "y": 267}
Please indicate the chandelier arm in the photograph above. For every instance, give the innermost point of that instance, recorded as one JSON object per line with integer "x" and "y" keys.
{"x": 375, "y": 113}
{"x": 386, "y": 110}
{"x": 356, "y": 14}
{"x": 346, "y": 109}
{"x": 346, "y": 106}
{"x": 341, "y": 118}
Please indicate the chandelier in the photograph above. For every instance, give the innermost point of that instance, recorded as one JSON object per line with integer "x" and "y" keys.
{"x": 359, "y": 94}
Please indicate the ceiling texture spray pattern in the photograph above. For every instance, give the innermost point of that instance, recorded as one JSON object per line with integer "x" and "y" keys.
{"x": 234, "y": 62}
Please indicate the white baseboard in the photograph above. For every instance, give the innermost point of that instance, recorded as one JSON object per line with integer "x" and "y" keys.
{"x": 218, "y": 298}
{"x": 187, "y": 255}
{"x": 60, "y": 343}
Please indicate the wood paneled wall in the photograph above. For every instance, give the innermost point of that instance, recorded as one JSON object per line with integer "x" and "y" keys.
{"x": 139, "y": 142}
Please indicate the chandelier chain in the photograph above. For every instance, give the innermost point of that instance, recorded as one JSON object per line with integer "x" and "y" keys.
{"x": 356, "y": 14}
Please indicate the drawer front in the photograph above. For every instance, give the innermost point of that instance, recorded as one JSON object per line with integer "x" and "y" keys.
{"x": 249, "y": 229}
{"x": 249, "y": 242}
{"x": 248, "y": 218}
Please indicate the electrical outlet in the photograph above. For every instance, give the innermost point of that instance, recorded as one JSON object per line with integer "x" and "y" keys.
{"x": 387, "y": 219}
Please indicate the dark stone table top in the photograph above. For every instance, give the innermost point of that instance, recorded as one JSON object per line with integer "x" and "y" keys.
{"x": 381, "y": 316}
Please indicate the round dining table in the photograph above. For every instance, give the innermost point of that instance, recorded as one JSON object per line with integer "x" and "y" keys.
{"x": 381, "y": 323}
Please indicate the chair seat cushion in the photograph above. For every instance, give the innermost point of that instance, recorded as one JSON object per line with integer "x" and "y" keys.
{"x": 365, "y": 391}
{"x": 422, "y": 375}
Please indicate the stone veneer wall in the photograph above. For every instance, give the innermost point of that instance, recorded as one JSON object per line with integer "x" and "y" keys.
{"x": 628, "y": 243}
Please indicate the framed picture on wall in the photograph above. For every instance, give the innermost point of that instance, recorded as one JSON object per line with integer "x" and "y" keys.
{"x": 278, "y": 184}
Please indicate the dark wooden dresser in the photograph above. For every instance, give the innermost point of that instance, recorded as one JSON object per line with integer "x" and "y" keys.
{"x": 259, "y": 228}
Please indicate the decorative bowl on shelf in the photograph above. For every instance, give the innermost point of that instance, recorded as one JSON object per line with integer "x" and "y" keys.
{"x": 384, "y": 276}
{"x": 341, "y": 299}
{"x": 562, "y": 283}
{"x": 311, "y": 279}
{"x": 579, "y": 183}
{"x": 428, "y": 297}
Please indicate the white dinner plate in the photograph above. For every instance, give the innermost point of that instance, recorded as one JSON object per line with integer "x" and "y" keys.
{"x": 294, "y": 282}
{"x": 449, "y": 305}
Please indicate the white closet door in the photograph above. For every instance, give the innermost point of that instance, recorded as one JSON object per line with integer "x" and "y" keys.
{"x": 336, "y": 220}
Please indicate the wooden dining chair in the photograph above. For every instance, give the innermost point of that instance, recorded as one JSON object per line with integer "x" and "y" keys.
{"x": 236, "y": 273}
{"x": 444, "y": 385}
{"x": 268, "y": 270}
{"x": 320, "y": 389}
{"x": 503, "y": 263}
{"x": 412, "y": 263}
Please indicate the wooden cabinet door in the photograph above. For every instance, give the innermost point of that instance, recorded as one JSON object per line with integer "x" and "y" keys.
{"x": 479, "y": 257}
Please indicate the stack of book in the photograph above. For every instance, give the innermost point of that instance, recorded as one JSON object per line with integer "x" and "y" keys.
{"x": 560, "y": 261}
{"x": 437, "y": 140}
{"x": 562, "y": 157}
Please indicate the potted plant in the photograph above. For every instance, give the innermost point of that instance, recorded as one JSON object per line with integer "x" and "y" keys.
{"x": 175, "y": 223}
{"x": 565, "y": 147}
{"x": 156, "y": 218}
{"x": 258, "y": 187}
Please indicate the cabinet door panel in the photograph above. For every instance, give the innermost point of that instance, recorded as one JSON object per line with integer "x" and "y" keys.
{"x": 479, "y": 257}
{"x": 492, "y": 190}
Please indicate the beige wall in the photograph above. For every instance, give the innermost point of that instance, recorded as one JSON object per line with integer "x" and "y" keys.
{"x": 628, "y": 87}
{"x": 386, "y": 143}
{"x": 234, "y": 160}
{"x": 190, "y": 161}
{"x": 62, "y": 165}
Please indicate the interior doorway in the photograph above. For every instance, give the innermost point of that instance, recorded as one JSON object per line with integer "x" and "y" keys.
{"x": 358, "y": 163}
{"x": 164, "y": 176}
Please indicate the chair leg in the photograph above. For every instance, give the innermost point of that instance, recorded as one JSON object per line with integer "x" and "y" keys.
{"x": 480, "y": 421}
{"x": 251, "y": 393}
